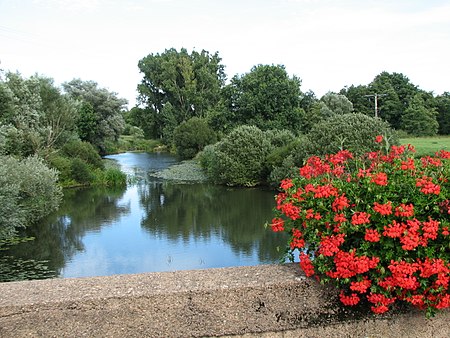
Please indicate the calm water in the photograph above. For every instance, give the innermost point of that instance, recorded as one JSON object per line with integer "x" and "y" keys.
{"x": 152, "y": 225}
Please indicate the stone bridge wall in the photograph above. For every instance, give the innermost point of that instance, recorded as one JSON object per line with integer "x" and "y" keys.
{"x": 257, "y": 301}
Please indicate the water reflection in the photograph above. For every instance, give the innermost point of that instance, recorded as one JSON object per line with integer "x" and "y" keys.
{"x": 60, "y": 236}
{"x": 152, "y": 225}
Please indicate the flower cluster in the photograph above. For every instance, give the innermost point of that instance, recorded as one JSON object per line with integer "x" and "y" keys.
{"x": 377, "y": 226}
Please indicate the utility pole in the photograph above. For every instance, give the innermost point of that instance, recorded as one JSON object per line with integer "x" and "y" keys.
{"x": 376, "y": 96}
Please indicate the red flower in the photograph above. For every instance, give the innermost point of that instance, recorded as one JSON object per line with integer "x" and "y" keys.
{"x": 383, "y": 209}
{"x": 380, "y": 179}
{"x": 324, "y": 191}
{"x": 361, "y": 286}
{"x": 329, "y": 245}
{"x": 290, "y": 210}
{"x": 351, "y": 300}
{"x": 372, "y": 235}
{"x": 378, "y": 139}
{"x": 286, "y": 184}
{"x": 306, "y": 264}
{"x": 427, "y": 186}
{"x": 404, "y": 210}
{"x": 443, "y": 154}
{"x": 340, "y": 203}
{"x": 277, "y": 224}
{"x": 408, "y": 164}
{"x": 394, "y": 230}
{"x": 360, "y": 217}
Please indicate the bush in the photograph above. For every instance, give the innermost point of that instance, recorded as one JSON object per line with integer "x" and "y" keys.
{"x": 64, "y": 167}
{"x": 84, "y": 151}
{"x": 192, "y": 136}
{"x": 81, "y": 172}
{"x": 28, "y": 192}
{"x": 239, "y": 159}
{"x": 354, "y": 132}
{"x": 376, "y": 226}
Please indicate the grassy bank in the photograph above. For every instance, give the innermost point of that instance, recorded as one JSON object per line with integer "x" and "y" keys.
{"x": 428, "y": 145}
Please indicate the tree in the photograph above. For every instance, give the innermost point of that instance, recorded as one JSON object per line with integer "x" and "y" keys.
{"x": 177, "y": 86}
{"x": 443, "y": 109}
{"x": 419, "y": 120}
{"x": 329, "y": 105}
{"x": 399, "y": 91}
{"x": 192, "y": 136}
{"x": 357, "y": 96}
{"x": 265, "y": 97}
{"x": 105, "y": 122}
{"x": 35, "y": 116}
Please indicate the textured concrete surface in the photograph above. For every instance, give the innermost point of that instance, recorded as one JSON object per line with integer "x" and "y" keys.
{"x": 258, "y": 301}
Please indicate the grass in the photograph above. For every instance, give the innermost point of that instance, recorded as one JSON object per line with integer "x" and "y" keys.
{"x": 428, "y": 145}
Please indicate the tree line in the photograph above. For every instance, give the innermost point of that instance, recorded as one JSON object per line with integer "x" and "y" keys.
{"x": 253, "y": 130}
{"x": 260, "y": 126}
{"x": 51, "y": 137}
{"x": 178, "y": 85}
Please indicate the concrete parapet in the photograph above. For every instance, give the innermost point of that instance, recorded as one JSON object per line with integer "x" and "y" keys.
{"x": 256, "y": 301}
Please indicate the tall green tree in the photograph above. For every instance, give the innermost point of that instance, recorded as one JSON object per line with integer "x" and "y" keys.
{"x": 398, "y": 90}
{"x": 443, "y": 109}
{"x": 419, "y": 120}
{"x": 176, "y": 86}
{"x": 266, "y": 97}
{"x": 358, "y": 97}
{"x": 101, "y": 112}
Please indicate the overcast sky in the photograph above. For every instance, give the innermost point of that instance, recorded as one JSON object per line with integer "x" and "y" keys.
{"x": 328, "y": 44}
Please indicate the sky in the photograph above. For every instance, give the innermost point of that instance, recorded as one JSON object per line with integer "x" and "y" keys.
{"x": 327, "y": 44}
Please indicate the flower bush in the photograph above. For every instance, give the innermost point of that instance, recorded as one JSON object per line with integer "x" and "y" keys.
{"x": 377, "y": 225}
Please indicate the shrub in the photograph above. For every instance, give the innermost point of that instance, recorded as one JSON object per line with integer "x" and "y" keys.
{"x": 63, "y": 166}
{"x": 239, "y": 159}
{"x": 84, "y": 151}
{"x": 28, "y": 192}
{"x": 81, "y": 172}
{"x": 376, "y": 225}
{"x": 354, "y": 132}
{"x": 192, "y": 136}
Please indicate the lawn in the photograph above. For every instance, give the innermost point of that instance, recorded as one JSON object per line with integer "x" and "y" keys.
{"x": 428, "y": 145}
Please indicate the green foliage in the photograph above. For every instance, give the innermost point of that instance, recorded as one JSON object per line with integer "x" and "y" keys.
{"x": 111, "y": 177}
{"x": 265, "y": 97}
{"x": 175, "y": 87}
{"x": 84, "y": 151}
{"x": 35, "y": 116}
{"x": 100, "y": 112}
{"x": 192, "y": 136}
{"x": 284, "y": 161}
{"x": 28, "y": 192}
{"x": 64, "y": 167}
{"x": 239, "y": 159}
{"x": 399, "y": 91}
{"x": 80, "y": 171}
{"x": 443, "y": 109}
{"x": 376, "y": 226}
{"x": 418, "y": 120}
{"x": 354, "y": 132}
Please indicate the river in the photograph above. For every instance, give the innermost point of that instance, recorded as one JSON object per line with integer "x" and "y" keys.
{"x": 151, "y": 225}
